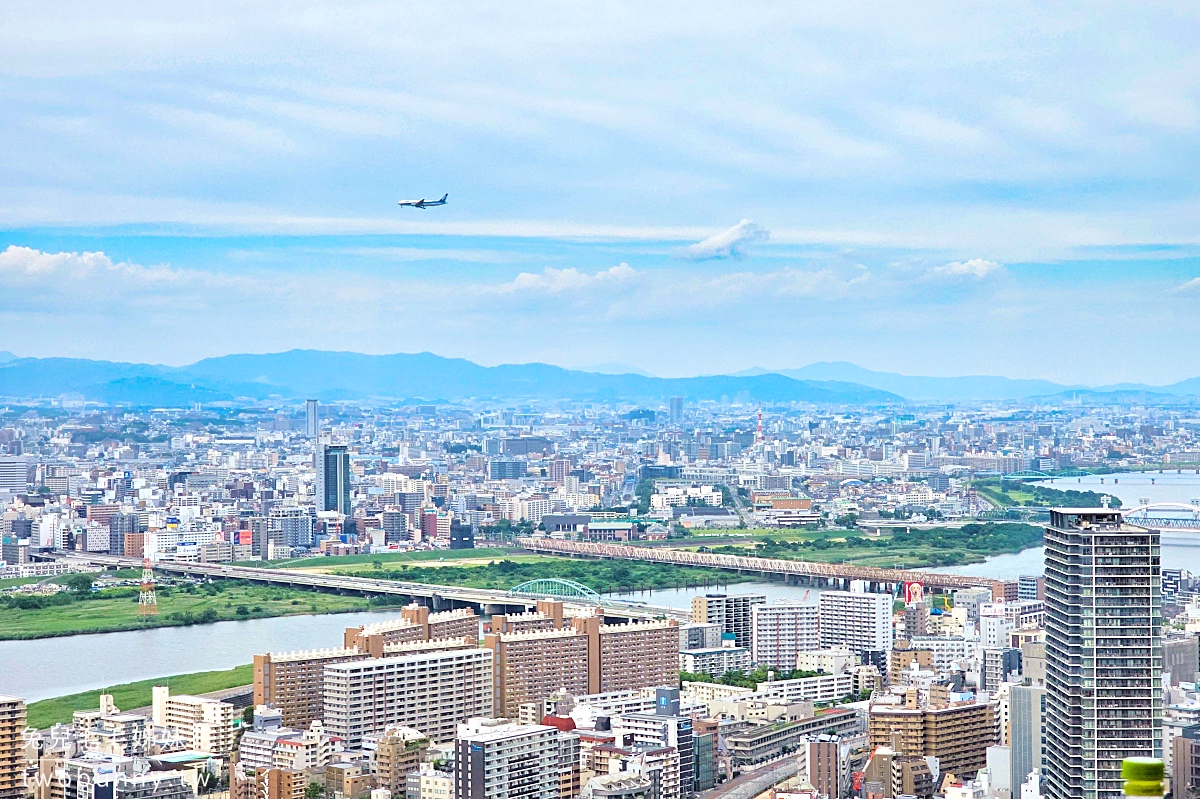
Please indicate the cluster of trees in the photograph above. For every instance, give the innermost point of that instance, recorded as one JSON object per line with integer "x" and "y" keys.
{"x": 747, "y": 680}
{"x": 599, "y": 575}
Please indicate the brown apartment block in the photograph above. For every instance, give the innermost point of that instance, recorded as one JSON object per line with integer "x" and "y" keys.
{"x": 399, "y": 752}
{"x": 957, "y": 735}
{"x": 292, "y": 682}
{"x": 416, "y": 623}
{"x": 548, "y": 616}
{"x": 135, "y": 545}
{"x": 627, "y": 656}
{"x": 902, "y": 656}
{"x": 12, "y": 751}
{"x": 530, "y": 666}
{"x": 587, "y": 657}
{"x": 267, "y": 783}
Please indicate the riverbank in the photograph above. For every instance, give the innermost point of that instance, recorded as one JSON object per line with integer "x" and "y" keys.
{"x": 116, "y": 609}
{"x": 913, "y": 549}
{"x": 129, "y": 696}
{"x": 601, "y": 576}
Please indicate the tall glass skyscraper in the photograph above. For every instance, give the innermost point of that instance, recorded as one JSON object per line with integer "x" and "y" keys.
{"x": 1103, "y": 651}
{"x": 333, "y": 477}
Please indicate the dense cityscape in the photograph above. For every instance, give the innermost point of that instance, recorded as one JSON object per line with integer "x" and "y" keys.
{"x": 498, "y": 667}
{"x": 599, "y": 400}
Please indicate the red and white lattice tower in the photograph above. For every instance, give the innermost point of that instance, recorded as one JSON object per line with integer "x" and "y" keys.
{"x": 758, "y": 436}
{"x": 147, "y": 600}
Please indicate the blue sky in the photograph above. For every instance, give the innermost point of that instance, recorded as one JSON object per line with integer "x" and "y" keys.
{"x": 937, "y": 188}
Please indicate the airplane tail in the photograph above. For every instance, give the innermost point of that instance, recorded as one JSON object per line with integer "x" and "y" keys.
{"x": 444, "y": 196}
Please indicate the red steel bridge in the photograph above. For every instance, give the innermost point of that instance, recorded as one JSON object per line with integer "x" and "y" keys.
{"x": 765, "y": 566}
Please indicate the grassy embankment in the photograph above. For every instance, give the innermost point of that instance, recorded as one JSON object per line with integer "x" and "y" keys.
{"x": 83, "y": 611}
{"x": 1009, "y": 493}
{"x": 136, "y": 694}
{"x": 602, "y": 576}
{"x": 937, "y": 546}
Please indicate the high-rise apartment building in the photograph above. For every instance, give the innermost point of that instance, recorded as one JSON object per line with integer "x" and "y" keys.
{"x": 531, "y": 666}
{"x": 783, "y": 629}
{"x": 496, "y": 758}
{"x": 1103, "y": 651}
{"x": 431, "y": 686}
{"x": 416, "y": 623}
{"x": 733, "y": 612}
{"x": 14, "y": 474}
{"x": 312, "y": 418}
{"x": 675, "y": 410}
{"x": 958, "y": 734}
{"x": 119, "y": 526}
{"x": 394, "y": 522}
{"x": 292, "y": 682}
{"x": 589, "y": 657}
{"x": 623, "y": 657}
{"x": 859, "y": 622}
{"x": 1027, "y": 706}
{"x": 333, "y": 478}
{"x": 12, "y": 743}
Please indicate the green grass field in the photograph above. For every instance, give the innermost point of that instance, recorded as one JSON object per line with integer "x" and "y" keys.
{"x": 176, "y": 606}
{"x": 133, "y": 695}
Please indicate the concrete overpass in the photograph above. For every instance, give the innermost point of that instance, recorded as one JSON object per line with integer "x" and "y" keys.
{"x": 438, "y": 597}
{"x": 831, "y": 574}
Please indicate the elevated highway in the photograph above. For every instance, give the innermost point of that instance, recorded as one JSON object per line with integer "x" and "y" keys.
{"x": 438, "y": 597}
{"x": 832, "y": 573}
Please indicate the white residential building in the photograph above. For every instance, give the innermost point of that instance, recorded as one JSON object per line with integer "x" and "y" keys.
{"x": 859, "y": 622}
{"x": 783, "y": 629}
{"x": 431, "y": 686}
{"x": 496, "y": 758}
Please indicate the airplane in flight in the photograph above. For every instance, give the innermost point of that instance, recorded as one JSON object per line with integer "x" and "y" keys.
{"x": 423, "y": 203}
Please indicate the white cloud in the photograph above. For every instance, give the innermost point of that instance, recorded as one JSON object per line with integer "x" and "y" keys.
{"x": 728, "y": 243}
{"x": 977, "y": 268}
{"x": 555, "y": 281}
{"x": 1189, "y": 287}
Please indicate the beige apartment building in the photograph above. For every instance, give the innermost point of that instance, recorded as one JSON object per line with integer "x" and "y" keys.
{"x": 622, "y": 657}
{"x": 430, "y": 686}
{"x": 206, "y": 724}
{"x": 292, "y": 682}
{"x": 958, "y": 735}
{"x": 399, "y": 751}
{"x": 12, "y": 754}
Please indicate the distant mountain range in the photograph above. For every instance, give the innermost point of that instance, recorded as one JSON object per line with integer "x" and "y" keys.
{"x": 332, "y": 376}
{"x": 981, "y": 387}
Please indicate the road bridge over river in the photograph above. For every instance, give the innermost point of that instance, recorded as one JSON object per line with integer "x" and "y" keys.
{"x": 439, "y": 597}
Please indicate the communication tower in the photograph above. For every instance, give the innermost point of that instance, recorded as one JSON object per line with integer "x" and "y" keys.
{"x": 147, "y": 600}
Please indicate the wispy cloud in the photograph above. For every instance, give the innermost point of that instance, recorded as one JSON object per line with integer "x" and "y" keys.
{"x": 556, "y": 281}
{"x": 1190, "y": 287}
{"x": 977, "y": 268}
{"x": 729, "y": 243}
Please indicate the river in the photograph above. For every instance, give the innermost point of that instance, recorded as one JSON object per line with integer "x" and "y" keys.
{"x": 55, "y": 666}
